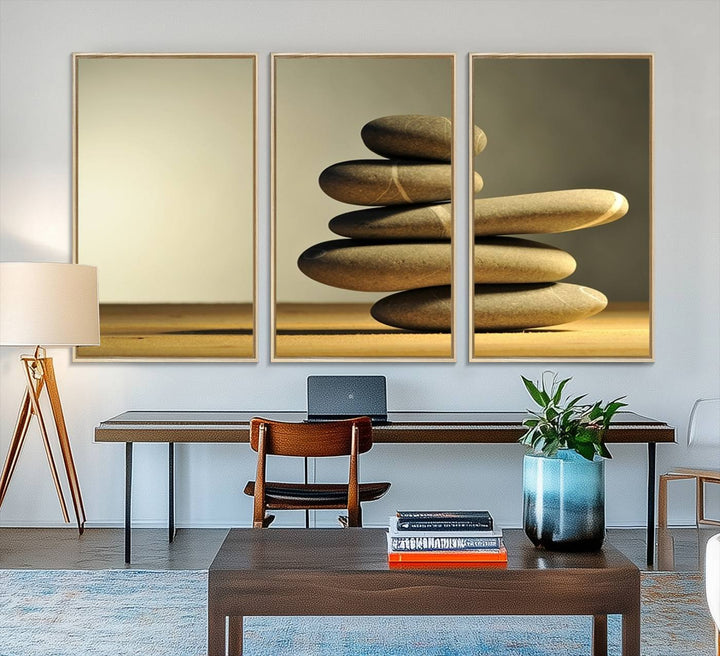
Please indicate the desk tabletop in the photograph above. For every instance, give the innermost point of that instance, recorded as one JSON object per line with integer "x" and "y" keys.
{"x": 403, "y": 426}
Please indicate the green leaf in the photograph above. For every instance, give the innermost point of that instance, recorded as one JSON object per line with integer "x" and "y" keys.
{"x": 558, "y": 393}
{"x": 587, "y": 451}
{"x": 586, "y": 436}
{"x": 610, "y": 409}
{"x": 602, "y": 450}
{"x": 534, "y": 392}
{"x": 575, "y": 401}
{"x": 595, "y": 411}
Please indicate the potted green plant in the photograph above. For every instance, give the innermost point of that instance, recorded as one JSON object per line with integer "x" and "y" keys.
{"x": 564, "y": 467}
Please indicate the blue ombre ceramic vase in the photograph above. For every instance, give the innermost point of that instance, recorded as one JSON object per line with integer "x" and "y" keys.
{"x": 564, "y": 501}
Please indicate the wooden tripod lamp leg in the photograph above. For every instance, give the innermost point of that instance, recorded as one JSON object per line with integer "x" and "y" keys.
{"x": 23, "y": 422}
{"x": 34, "y": 375}
{"x": 40, "y": 373}
{"x": 64, "y": 440}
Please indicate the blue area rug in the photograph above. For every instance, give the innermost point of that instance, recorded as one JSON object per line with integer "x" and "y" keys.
{"x": 130, "y": 612}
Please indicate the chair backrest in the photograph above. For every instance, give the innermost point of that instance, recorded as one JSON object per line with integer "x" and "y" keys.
{"x": 311, "y": 439}
{"x": 704, "y": 423}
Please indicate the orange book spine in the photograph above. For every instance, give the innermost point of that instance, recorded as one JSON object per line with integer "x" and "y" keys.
{"x": 488, "y": 556}
{"x": 467, "y": 564}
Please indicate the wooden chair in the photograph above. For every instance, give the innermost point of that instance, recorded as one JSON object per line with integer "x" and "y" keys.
{"x": 703, "y": 429}
{"x": 348, "y": 437}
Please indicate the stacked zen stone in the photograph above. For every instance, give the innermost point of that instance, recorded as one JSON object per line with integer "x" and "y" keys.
{"x": 516, "y": 280}
{"x": 405, "y": 244}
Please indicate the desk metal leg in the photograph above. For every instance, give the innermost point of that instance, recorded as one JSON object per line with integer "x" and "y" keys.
{"x": 171, "y": 491}
{"x": 651, "y": 505}
{"x": 128, "y": 497}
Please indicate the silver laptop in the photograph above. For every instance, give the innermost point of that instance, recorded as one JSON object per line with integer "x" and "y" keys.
{"x": 341, "y": 397}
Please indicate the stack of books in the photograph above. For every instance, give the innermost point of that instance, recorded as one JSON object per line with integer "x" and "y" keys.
{"x": 445, "y": 538}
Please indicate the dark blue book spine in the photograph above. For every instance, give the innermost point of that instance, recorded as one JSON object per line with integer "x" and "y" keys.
{"x": 443, "y": 515}
{"x": 448, "y": 525}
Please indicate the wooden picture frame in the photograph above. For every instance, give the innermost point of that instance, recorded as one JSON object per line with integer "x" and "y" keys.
{"x": 165, "y": 202}
{"x": 568, "y": 167}
{"x": 323, "y": 106}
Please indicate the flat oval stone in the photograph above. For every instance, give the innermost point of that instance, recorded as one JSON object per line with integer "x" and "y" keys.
{"x": 415, "y": 136}
{"x": 408, "y": 222}
{"x": 428, "y": 309}
{"x": 387, "y": 266}
{"x": 389, "y": 182}
{"x": 515, "y": 307}
{"x": 496, "y": 307}
{"x": 546, "y": 212}
{"x": 392, "y": 266}
{"x": 514, "y": 260}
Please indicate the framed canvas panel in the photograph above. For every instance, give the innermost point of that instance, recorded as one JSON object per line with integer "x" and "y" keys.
{"x": 561, "y": 233}
{"x": 164, "y": 150}
{"x": 363, "y": 220}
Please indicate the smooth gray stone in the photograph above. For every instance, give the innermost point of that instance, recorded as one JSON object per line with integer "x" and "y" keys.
{"x": 515, "y": 307}
{"x": 547, "y": 212}
{"x": 428, "y": 309}
{"x": 415, "y": 136}
{"x": 513, "y": 260}
{"x": 392, "y": 266}
{"x": 408, "y": 222}
{"x": 389, "y": 182}
{"x": 385, "y": 266}
{"x": 496, "y": 307}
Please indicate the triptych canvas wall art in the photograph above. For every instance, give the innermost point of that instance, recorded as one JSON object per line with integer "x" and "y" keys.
{"x": 164, "y": 202}
{"x": 363, "y": 185}
{"x": 364, "y": 219}
{"x": 561, "y": 231}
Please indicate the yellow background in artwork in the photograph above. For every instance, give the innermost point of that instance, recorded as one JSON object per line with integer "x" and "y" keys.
{"x": 166, "y": 177}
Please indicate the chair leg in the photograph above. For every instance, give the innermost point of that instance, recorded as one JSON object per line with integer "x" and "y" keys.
{"x": 699, "y": 501}
{"x": 354, "y": 517}
{"x": 662, "y": 501}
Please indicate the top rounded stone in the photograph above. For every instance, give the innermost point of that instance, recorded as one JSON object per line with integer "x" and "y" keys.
{"x": 415, "y": 136}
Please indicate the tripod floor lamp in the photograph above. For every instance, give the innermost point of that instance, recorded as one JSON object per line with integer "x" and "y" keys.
{"x": 46, "y": 304}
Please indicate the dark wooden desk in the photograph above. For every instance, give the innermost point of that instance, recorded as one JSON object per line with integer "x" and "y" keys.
{"x": 280, "y": 572}
{"x": 173, "y": 427}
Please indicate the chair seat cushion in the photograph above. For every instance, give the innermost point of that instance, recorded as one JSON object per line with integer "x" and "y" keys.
{"x": 315, "y": 495}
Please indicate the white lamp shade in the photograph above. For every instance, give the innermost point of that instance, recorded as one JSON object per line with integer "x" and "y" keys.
{"x": 48, "y": 304}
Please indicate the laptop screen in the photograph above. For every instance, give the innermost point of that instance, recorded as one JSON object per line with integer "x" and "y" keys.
{"x": 340, "y": 397}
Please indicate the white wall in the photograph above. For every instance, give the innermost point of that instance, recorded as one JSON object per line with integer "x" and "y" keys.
{"x": 35, "y": 224}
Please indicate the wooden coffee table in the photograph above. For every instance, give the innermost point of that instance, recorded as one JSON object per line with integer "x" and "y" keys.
{"x": 345, "y": 572}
